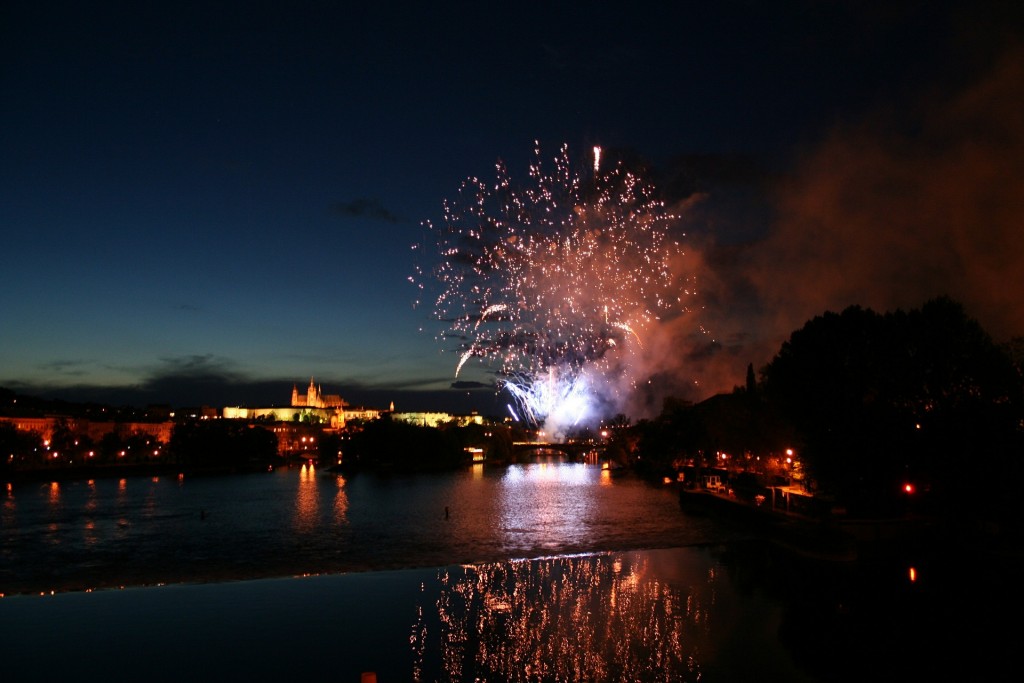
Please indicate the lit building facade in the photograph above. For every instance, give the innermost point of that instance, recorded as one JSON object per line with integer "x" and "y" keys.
{"x": 314, "y": 407}
{"x": 315, "y": 398}
{"x": 95, "y": 430}
{"x": 437, "y": 419}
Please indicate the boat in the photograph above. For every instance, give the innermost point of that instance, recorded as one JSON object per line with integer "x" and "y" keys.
{"x": 613, "y": 468}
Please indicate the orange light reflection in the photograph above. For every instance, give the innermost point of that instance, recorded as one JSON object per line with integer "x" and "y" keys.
{"x": 307, "y": 500}
{"x": 341, "y": 503}
{"x": 594, "y": 617}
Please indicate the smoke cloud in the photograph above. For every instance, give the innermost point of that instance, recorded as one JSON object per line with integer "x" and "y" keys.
{"x": 906, "y": 204}
{"x": 890, "y": 213}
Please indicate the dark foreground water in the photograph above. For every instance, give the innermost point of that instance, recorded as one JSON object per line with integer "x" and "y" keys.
{"x": 544, "y": 572}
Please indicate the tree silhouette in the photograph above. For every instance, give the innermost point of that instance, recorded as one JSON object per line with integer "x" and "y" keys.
{"x": 877, "y": 399}
{"x": 222, "y": 443}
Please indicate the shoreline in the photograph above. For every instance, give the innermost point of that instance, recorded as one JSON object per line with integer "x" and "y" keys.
{"x": 852, "y": 540}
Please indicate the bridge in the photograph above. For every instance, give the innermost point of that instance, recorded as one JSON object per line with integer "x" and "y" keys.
{"x": 576, "y": 451}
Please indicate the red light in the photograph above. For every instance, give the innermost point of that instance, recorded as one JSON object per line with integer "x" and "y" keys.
{"x": 908, "y": 488}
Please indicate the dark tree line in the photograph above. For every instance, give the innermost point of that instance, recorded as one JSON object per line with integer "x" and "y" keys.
{"x": 872, "y": 401}
{"x": 14, "y": 444}
{"x": 924, "y": 395}
{"x": 222, "y": 443}
{"x": 199, "y": 445}
{"x": 393, "y": 444}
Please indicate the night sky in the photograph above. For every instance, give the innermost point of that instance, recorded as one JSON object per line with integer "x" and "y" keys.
{"x": 204, "y": 203}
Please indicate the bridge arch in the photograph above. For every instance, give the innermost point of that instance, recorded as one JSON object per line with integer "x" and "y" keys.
{"x": 576, "y": 451}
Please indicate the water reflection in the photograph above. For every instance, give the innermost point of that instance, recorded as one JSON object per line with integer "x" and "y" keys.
{"x": 297, "y": 520}
{"x": 9, "y": 508}
{"x": 551, "y": 503}
{"x": 123, "y": 507}
{"x": 573, "y": 474}
{"x": 590, "y": 617}
{"x": 89, "y": 530}
{"x": 341, "y": 503}
{"x": 149, "y": 508}
{"x": 307, "y": 500}
{"x": 53, "y": 509}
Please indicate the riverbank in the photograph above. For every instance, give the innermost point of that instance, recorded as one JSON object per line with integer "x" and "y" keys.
{"x": 798, "y": 534}
{"x": 838, "y": 538}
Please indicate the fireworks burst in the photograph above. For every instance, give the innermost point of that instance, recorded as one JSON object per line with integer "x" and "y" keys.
{"x": 554, "y": 282}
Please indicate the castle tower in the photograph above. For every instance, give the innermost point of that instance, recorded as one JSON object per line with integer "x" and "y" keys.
{"x": 295, "y": 395}
{"x": 312, "y": 395}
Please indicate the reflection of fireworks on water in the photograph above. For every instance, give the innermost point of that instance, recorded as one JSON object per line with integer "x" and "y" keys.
{"x": 554, "y": 281}
{"x": 602, "y": 617}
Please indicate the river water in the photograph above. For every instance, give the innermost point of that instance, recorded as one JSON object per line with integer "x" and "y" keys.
{"x": 550, "y": 571}
{"x": 109, "y": 532}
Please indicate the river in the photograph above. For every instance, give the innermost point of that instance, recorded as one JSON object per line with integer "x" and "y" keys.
{"x": 112, "y": 532}
{"x": 534, "y": 572}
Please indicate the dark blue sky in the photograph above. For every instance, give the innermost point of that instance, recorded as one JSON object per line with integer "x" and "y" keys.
{"x": 208, "y": 202}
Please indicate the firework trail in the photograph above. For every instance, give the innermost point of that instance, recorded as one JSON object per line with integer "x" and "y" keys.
{"x": 554, "y": 281}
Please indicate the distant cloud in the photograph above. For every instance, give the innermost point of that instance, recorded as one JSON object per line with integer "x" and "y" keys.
{"x": 364, "y": 207}
{"x": 66, "y": 367}
{"x": 471, "y": 385}
{"x": 201, "y": 380}
{"x": 195, "y": 365}
{"x": 208, "y": 380}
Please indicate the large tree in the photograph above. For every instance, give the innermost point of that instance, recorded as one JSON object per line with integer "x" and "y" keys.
{"x": 391, "y": 443}
{"x": 18, "y": 448}
{"x": 222, "y": 443}
{"x": 924, "y": 396}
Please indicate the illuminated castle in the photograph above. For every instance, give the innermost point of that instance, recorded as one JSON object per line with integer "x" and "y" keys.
{"x": 315, "y": 398}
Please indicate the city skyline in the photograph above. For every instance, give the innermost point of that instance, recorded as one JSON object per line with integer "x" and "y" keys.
{"x": 202, "y": 205}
